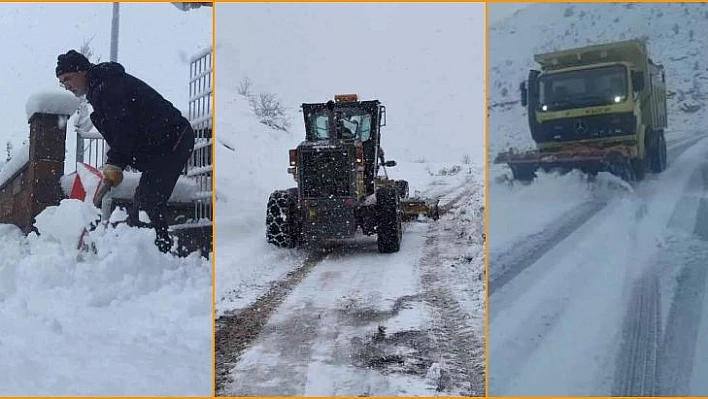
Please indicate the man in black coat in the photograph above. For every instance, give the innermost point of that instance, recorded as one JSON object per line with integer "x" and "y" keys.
{"x": 142, "y": 129}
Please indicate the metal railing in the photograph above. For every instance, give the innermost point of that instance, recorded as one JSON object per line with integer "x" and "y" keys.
{"x": 199, "y": 166}
{"x": 90, "y": 145}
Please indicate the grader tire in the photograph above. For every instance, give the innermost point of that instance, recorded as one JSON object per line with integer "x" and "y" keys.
{"x": 388, "y": 215}
{"x": 282, "y": 225}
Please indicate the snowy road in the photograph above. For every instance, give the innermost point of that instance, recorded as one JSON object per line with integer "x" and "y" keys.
{"x": 348, "y": 320}
{"x": 606, "y": 296}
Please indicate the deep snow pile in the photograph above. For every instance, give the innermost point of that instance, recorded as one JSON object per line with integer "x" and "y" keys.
{"x": 677, "y": 36}
{"x": 463, "y": 256}
{"x": 127, "y": 320}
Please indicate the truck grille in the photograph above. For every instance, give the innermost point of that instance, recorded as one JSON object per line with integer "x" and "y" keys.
{"x": 326, "y": 173}
{"x": 587, "y": 127}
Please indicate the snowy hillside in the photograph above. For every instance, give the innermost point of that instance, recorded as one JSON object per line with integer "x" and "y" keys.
{"x": 677, "y": 36}
{"x": 599, "y": 276}
{"x": 430, "y": 86}
{"x": 323, "y": 322}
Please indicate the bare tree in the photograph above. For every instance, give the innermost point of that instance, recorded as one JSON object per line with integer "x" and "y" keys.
{"x": 244, "y": 88}
{"x": 266, "y": 106}
{"x": 9, "y": 151}
{"x": 270, "y": 111}
{"x": 88, "y": 52}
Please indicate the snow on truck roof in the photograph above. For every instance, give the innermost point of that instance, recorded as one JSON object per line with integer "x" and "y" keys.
{"x": 633, "y": 51}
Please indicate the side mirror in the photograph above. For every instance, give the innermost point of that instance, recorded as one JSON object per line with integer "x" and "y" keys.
{"x": 389, "y": 164}
{"x": 524, "y": 94}
{"x": 638, "y": 80}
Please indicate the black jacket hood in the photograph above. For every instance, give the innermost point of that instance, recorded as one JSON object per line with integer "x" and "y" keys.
{"x": 100, "y": 73}
{"x": 105, "y": 69}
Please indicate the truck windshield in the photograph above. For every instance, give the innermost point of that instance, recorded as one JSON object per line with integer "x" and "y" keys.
{"x": 583, "y": 88}
{"x": 351, "y": 123}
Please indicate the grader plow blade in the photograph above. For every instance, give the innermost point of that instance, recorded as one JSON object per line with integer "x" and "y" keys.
{"x": 588, "y": 160}
{"x": 414, "y": 207}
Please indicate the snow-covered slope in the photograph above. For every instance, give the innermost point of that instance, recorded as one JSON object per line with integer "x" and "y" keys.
{"x": 423, "y": 61}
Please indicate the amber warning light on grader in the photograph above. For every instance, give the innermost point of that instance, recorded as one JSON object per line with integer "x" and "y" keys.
{"x": 345, "y": 98}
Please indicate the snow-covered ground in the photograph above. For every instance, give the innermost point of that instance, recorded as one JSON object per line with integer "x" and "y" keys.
{"x": 126, "y": 320}
{"x": 599, "y": 277}
{"x": 110, "y": 323}
{"x": 348, "y": 320}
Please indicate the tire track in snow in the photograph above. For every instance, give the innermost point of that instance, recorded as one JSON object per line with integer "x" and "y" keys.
{"x": 236, "y": 331}
{"x": 679, "y": 148}
{"x": 531, "y": 248}
{"x": 459, "y": 349}
{"x": 677, "y": 351}
{"x": 682, "y": 326}
{"x": 646, "y": 365}
{"x": 637, "y": 362}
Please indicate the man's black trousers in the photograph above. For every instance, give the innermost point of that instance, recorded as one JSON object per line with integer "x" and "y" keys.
{"x": 157, "y": 182}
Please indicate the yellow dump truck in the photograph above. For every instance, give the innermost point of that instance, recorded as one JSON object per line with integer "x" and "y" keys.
{"x": 596, "y": 108}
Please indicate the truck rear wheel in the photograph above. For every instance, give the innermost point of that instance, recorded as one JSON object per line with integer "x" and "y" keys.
{"x": 388, "y": 215}
{"x": 282, "y": 224}
{"x": 658, "y": 156}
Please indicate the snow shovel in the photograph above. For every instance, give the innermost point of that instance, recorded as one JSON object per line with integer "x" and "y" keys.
{"x": 103, "y": 201}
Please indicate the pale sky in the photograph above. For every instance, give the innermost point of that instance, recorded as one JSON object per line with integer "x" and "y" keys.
{"x": 155, "y": 43}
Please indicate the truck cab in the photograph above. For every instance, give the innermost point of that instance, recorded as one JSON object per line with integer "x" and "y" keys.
{"x": 596, "y": 100}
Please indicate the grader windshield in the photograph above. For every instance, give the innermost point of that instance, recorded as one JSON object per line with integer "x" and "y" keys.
{"x": 583, "y": 88}
{"x": 351, "y": 123}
